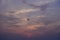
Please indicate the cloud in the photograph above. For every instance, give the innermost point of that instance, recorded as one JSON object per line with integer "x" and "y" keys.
{"x": 19, "y": 37}
{"x": 38, "y": 2}
{"x": 26, "y": 10}
{"x": 30, "y": 22}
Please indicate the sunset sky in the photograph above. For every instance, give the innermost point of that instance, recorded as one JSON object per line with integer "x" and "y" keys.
{"x": 29, "y": 19}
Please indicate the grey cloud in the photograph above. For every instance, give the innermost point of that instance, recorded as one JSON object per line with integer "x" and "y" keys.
{"x": 7, "y": 36}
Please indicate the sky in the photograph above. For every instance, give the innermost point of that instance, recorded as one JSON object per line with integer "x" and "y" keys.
{"x": 29, "y": 19}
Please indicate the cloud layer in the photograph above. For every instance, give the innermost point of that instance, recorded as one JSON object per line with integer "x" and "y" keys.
{"x": 28, "y": 20}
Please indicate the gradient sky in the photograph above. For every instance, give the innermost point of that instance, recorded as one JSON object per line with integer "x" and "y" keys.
{"x": 29, "y": 19}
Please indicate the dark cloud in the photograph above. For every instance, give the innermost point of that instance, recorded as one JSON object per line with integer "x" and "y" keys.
{"x": 9, "y": 36}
